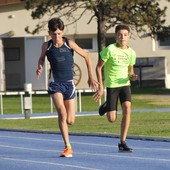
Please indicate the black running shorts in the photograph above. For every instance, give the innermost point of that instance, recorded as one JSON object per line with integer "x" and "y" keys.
{"x": 113, "y": 94}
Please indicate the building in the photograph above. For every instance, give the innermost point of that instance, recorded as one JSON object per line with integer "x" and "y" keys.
{"x": 20, "y": 51}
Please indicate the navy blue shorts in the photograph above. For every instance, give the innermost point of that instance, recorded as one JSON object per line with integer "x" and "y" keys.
{"x": 65, "y": 88}
{"x": 113, "y": 94}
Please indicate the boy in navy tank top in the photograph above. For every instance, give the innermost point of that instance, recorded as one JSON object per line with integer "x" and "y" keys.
{"x": 59, "y": 51}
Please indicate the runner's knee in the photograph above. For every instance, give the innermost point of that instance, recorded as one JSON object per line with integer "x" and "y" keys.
{"x": 111, "y": 117}
{"x": 70, "y": 121}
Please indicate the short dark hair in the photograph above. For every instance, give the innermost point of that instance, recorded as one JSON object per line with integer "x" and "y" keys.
{"x": 122, "y": 27}
{"x": 55, "y": 23}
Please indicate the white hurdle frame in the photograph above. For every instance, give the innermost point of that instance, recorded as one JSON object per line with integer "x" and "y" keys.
{"x": 22, "y": 93}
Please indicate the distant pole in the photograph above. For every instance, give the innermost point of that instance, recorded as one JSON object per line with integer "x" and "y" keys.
{"x": 153, "y": 44}
{"x": 2, "y": 68}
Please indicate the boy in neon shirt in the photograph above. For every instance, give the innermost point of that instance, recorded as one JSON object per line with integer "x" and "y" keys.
{"x": 118, "y": 60}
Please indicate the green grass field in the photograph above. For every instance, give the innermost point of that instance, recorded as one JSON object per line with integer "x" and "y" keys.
{"x": 143, "y": 123}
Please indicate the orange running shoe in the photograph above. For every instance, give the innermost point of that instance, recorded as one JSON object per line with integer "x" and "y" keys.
{"x": 67, "y": 152}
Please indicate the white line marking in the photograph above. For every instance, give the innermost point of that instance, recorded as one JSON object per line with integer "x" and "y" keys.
{"x": 127, "y": 157}
{"x": 83, "y": 143}
{"x": 49, "y": 163}
{"x": 92, "y": 154}
{"x": 30, "y": 149}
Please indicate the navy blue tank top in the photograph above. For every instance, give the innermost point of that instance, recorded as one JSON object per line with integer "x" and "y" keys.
{"x": 61, "y": 61}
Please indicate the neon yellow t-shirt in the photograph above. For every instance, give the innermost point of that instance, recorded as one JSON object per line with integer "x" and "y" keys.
{"x": 116, "y": 65}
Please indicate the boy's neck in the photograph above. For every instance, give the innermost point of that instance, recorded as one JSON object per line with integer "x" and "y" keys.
{"x": 121, "y": 46}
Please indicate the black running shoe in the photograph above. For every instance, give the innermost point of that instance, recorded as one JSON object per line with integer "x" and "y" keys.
{"x": 103, "y": 109}
{"x": 124, "y": 148}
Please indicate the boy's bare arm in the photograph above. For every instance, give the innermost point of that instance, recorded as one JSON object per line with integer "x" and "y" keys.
{"x": 132, "y": 75}
{"x": 97, "y": 96}
{"x": 91, "y": 81}
{"x": 41, "y": 60}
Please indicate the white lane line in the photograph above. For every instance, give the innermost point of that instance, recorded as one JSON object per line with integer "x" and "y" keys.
{"x": 48, "y": 163}
{"x": 30, "y": 138}
{"x": 92, "y": 154}
{"x": 84, "y": 143}
{"x": 127, "y": 157}
{"x": 29, "y": 149}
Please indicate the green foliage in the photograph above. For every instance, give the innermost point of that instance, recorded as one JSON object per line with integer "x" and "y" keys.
{"x": 142, "y": 123}
{"x": 142, "y": 15}
{"x": 140, "y": 100}
{"x": 11, "y": 104}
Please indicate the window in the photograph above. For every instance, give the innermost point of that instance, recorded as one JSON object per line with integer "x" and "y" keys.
{"x": 85, "y": 43}
{"x": 12, "y": 54}
{"x": 164, "y": 43}
{"x": 145, "y": 61}
{"x": 110, "y": 40}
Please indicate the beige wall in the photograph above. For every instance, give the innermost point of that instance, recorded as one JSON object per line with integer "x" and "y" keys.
{"x": 15, "y": 18}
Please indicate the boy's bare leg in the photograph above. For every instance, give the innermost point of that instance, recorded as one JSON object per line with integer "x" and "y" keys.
{"x": 66, "y": 114}
{"x": 126, "y": 108}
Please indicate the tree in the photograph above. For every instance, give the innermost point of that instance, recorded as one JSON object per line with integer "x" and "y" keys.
{"x": 142, "y": 15}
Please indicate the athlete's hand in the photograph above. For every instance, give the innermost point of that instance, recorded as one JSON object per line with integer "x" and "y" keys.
{"x": 93, "y": 84}
{"x": 39, "y": 71}
{"x": 99, "y": 93}
{"x": 133, "y": 77}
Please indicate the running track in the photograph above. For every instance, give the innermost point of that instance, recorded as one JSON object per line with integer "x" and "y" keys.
{"x": 21, "y": 150}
